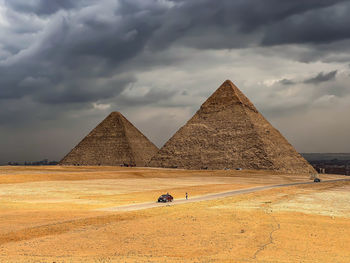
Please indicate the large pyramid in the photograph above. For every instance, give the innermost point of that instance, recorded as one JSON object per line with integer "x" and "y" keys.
{"x": 229, "y": 132}
{"x": 114, "y": 141}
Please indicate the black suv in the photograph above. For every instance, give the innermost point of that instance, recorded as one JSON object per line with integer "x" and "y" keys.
{"x": 165, "y": 198}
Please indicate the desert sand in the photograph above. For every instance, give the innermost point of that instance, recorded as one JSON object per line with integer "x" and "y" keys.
{"x": 60, "y": 214}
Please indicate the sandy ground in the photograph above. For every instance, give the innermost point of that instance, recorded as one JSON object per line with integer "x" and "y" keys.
{"x": 55, "y": 214}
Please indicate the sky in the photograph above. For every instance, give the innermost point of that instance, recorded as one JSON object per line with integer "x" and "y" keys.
{"x": 66, "y": 64}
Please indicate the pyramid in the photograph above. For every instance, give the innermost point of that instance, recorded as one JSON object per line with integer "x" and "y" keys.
{"x": 229, "y": 132}
{"x": 115, "y": 141}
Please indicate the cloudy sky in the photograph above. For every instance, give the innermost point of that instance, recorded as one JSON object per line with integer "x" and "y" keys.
{"x": 65, "y": 64}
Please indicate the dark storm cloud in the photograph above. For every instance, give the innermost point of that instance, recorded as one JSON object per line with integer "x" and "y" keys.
{"x": 75, "y": 59}
{"x": 78, "y": 50}
{"x": 239, "y": 23}
{"x": 80, "y": 91}
{"x": 43, "y": 7}
{"x": 317, "y": 26}
{"x": 321, "y": 77}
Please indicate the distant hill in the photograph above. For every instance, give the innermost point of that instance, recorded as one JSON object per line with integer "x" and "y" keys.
{"x": 325, "y": 156}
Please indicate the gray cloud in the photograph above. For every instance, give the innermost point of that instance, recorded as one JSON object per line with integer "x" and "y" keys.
{"x": 43, "y": 7}
{"x": 151, "y": 96}
{"x": 287, "y": 82}
{"x": 321, "y": 77}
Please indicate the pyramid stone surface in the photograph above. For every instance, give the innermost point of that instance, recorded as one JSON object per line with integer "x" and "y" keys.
{"x": 114, "y": 141}
{"x": 229, "y": 132}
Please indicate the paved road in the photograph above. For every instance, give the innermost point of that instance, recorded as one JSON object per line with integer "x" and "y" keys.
{"x": 141, "y": 206}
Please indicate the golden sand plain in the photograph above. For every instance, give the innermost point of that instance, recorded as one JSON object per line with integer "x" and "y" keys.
{"x": 52, "y": 214}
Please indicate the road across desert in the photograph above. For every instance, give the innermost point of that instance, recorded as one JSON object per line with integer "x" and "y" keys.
{"x": 148, "y": 205}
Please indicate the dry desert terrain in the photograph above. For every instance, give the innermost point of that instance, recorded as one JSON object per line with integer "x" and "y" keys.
{"x": 62, "y": 214}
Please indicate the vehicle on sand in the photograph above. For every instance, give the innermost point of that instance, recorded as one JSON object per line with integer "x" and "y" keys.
{"x": 165, "y": 198}
{"x": 317, "y": 180}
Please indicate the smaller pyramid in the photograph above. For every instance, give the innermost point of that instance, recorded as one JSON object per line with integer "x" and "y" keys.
{"x": 115, "y": 141}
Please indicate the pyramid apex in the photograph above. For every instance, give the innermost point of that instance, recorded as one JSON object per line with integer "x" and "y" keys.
{"x": 228, "y": 82}
{"x": 227, "y": 94}
{"x": 115, "y": 113}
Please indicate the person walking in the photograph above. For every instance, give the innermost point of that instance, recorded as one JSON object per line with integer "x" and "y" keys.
{"x": 186, "y": 195}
